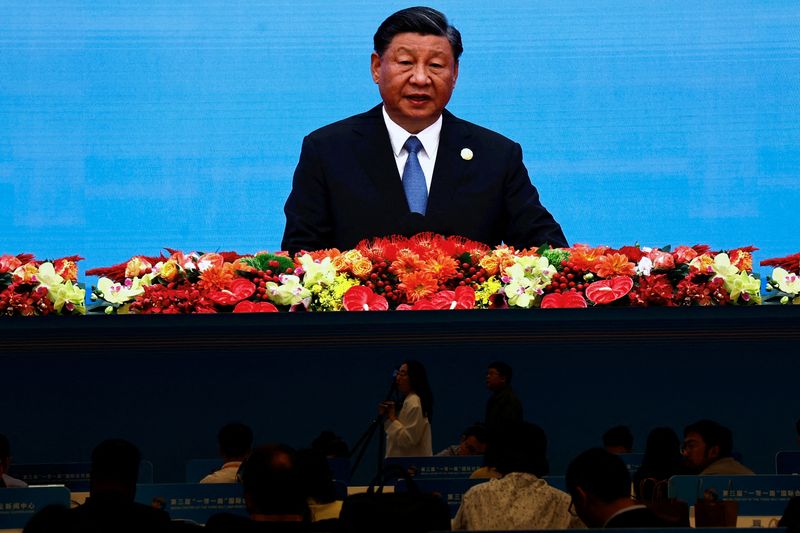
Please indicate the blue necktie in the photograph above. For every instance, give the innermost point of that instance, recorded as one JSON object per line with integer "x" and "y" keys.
{"x": 414, "y": 179}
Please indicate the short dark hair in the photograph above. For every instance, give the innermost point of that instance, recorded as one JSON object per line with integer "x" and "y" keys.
{"x": 330, "y": 444}
{"x": 618, "y": 436}
{"x": 713, "y": 434}
{"x": 422, "y": 20}
{"x": 504, "y": 369}
{"x": 116, "y": 460}
{"x": 600, "y": 473}
{"x": 479, "y": 431}
{"x": 235, "y": 439}
{"x": 271, "y": 481}
{"x": 520, "y": 447}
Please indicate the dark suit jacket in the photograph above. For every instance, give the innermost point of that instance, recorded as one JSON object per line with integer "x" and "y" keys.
{"x": 346, "y": 188}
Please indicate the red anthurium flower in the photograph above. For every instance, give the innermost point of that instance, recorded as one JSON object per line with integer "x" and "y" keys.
{"x": 238, "y": 290}
{"x": 608, "y": 290}
{"x": 461, "y": 298}
{"x": 563, "y": 300}
{"x": 360, "y": 298}
{"x": 247, "y": 306}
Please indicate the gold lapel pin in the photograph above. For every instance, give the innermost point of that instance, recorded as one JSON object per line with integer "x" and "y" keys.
{"x": 466, "y": 154}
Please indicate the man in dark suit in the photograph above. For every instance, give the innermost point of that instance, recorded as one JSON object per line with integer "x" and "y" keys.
{"x": 408, "y": 165}
{"x": 600, "y": 486}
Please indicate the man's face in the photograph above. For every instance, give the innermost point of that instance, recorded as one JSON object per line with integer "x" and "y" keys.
{"x": 416, "y": 76}
{"x": 696, "y": 453}
{"x": 471, "y": 446}
{"x": 494, "y": 380}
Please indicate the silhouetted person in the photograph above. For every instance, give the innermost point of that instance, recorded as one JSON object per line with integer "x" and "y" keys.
{"x": 791, "y": 516}
{"x": 273, "y": 494}
{"x": 662, "y": 460}
{"x": 618, "y": 439}
{"x": 473, "y": 442}
{"x": 503, "y": 407}
{"x": 320, "y": 489}
{"x": 235, "y": 441}
{"x": 5, "y": 462}
{"x": 110, "y": 506}
{"x": 330, "y": 445}
{"x": 707, "y": 450}
{"x": 600, "y": 487}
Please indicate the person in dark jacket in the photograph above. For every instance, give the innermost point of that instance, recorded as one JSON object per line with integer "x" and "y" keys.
{"x": 600, "y": 487}
{"x": 503, "y": 408}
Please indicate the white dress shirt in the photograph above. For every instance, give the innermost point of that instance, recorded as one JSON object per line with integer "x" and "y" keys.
{"x": 429, "y": 137}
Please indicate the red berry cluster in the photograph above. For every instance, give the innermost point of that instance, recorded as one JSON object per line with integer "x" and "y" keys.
{"x": 468, "y": 275}
{"x": 172, "y": 299}
{"x": 21, "y": 299}
{"x": 569, "y": 278}
{"x": 260, "y": 278}
{"x": 384, "y": 282}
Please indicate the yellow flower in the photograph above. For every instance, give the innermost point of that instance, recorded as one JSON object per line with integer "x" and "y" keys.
{"x": 68, "y": 295}
{"x": 169, "y": 270}
{"x": 136, "y": 267}
{"x": 362, "y": 268}
{"x": 748, "y": 287}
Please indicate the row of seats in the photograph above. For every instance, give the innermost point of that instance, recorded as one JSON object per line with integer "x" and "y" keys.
{"x": 761, "y": 495}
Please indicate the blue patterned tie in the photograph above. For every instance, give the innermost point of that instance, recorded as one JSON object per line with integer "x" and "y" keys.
{"x": 414, "y": 179}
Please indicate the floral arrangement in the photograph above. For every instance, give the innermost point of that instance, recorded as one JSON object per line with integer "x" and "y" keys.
{"x": 783, "y": 283}
{"x": 427, "y": 272}
{"x": 33, "y": 288}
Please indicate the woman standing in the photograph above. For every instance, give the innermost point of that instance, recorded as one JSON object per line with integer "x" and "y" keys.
{"x": 408, "y": 433}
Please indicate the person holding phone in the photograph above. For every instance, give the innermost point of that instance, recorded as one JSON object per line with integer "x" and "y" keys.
{"x": 408, "y": 432}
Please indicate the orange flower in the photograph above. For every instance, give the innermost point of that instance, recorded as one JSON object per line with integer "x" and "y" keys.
{"x": 66, "y": 269}
{"x": 703, "y": 263}
{"x": 491, "y": 264}
{"x": 319, "y": 255}
{"x": 606, "y": 266}
{"x": 584, "y": 257}
{"x": 362, "y": 268}
{"x": 741, "y": 259}
{"x": 441, "y": 266}
{"x": 418, "y": 285}
{"x": 137, "y": 266}
{"x": 406, "y": 262}
{"x": 340, "y": 263}
{"x": 217, "y": 277}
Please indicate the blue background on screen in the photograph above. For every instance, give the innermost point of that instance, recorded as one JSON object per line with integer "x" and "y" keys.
{"x": 126, "y": 127}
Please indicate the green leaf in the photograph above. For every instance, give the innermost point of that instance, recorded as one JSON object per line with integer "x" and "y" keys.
{"x": 262, "y": 262}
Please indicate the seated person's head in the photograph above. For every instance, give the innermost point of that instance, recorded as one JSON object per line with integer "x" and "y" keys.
{"x": 271, "y": 483}
{"x": 618, "y": 439}
{"x": 498, "y": 376}
{"x": 330, "y": 445}
{"x": 704, "y": 442}
{"x": 315, "y": 475}
{"x": 518, "y": 448}
{"x": 473, "y": 440}
{"x": 115, "y": 468}
{"x": 596, "y": 479}
{"x": 235, "y": 441}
